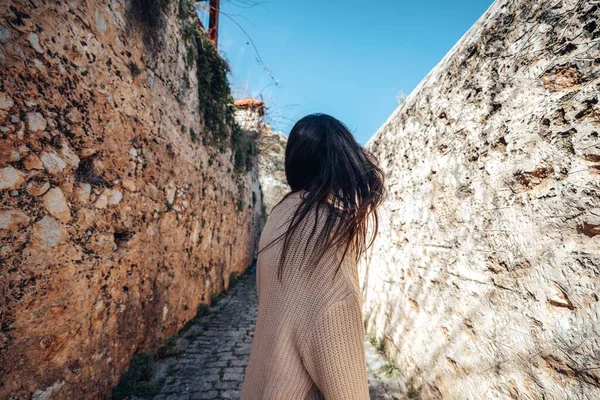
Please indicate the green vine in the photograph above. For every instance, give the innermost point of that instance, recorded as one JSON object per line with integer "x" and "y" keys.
{"x": 216, "y": 108}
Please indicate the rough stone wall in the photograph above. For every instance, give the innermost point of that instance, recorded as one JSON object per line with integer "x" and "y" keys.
{"x": 271, "y": 156}
{"x": 117, "y": 215}
{"x": 485, "y": 277}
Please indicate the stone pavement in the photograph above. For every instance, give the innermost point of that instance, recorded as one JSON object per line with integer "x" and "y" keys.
{"x": 214, "y": 352}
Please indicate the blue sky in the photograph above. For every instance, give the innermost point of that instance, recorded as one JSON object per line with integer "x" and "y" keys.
{"x": 350, "y": 59}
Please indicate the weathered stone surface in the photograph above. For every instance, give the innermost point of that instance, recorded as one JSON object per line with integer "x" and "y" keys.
{"x": 84, "y": 288}
{"x": 34, "y": 40}
{"x": 52, "y": 162}
{"x": 152, "y": 191}
{"x": 47, "y": 393}
{"x": 483, "y": 281}
{"x": 82, "y": 193}
{"x": 129, "y": 185}
{"x": 8, "y": 154}
{"x": 32, "y": 161}
{"x": 11, "y": 178}
{"x": 48, "y": 233}
{"x": 68, "y": 154}
{"x": 11, "y": 220}
{"x": 56, "y": 204}
{"x": 109, "y": 197}
{"x": 5, "y": 102}
{"x": 37, "y": 188}
{"x": 170, "y": 191}
{"x": 14, "y": 156}
{"x": 35, "y": 121}
{"x": 114, "y": 196}
{"x": 101, "y": 201}
{"x": 4, "y": 35}
{"x": 271, "y": 167}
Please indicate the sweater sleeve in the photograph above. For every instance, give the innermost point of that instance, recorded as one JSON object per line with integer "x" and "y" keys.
{"x": 333, "y": 352}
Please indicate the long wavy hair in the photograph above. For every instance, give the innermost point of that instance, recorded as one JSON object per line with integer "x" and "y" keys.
{"x": 323, "y": 159}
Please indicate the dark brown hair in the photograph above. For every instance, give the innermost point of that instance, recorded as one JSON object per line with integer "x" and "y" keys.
{"x": 323, "y": 159}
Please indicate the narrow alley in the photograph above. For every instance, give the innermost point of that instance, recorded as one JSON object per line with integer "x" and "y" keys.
{"x": 212, "y": 353}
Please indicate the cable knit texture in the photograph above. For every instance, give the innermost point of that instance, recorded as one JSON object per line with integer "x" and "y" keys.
{"x": 308, "y": 342}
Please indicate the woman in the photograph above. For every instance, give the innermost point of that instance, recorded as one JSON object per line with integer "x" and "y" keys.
{"x": 308, "y": 342}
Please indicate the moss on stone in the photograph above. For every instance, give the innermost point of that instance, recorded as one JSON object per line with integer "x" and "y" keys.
{"x": 137, "y": 379}
{"x": 169, "y": 349}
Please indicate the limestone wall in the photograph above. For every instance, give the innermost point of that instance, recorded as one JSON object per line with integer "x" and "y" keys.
{"x": 271, "y": 167}
{"x": 119, "y": 211}
{"x": 485, "y": 277}
{"x": 271, "y": 156}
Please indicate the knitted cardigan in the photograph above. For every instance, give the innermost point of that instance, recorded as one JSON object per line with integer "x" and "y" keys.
{"x": 309, "y": 337}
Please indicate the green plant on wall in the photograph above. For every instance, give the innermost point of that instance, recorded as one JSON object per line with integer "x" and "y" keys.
{"x": 213, "y": 88}
{"x": 216, "y": 105}
{"x": 137, "y": 379}
{"x": 244, "y": 149}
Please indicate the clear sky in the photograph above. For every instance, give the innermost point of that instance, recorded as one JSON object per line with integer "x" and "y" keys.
{"x": 350, "y": 59}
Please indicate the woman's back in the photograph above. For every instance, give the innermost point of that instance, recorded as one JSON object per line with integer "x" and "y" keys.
{"x": 308, "y": 342}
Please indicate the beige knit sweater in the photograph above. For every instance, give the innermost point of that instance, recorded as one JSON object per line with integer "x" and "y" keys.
{"x": 308, "y": 342}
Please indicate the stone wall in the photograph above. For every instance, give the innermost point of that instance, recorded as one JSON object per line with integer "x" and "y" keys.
{"x": 271, "y": 156}
{"x": 119, "y": 212}
{"x": 485, "y": 277}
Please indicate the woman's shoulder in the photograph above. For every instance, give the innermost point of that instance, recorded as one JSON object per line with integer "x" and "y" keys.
{"x": 287, "y": 207}
{"x": 283, "y": 210}
{"x": 291, "y": 197}
{"x": 279, "y": 218}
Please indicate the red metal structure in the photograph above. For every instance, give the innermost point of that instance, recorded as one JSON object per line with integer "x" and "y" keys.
{"x": 213, "y": 21}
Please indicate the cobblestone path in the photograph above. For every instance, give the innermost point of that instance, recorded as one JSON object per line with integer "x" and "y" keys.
{"x": 214, "y": 351}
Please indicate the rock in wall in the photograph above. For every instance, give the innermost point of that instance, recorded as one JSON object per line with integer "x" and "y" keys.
{"x": 126, "y": 197}
{"x": 484, "y": 279}
{"x": 271, "y": 156}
